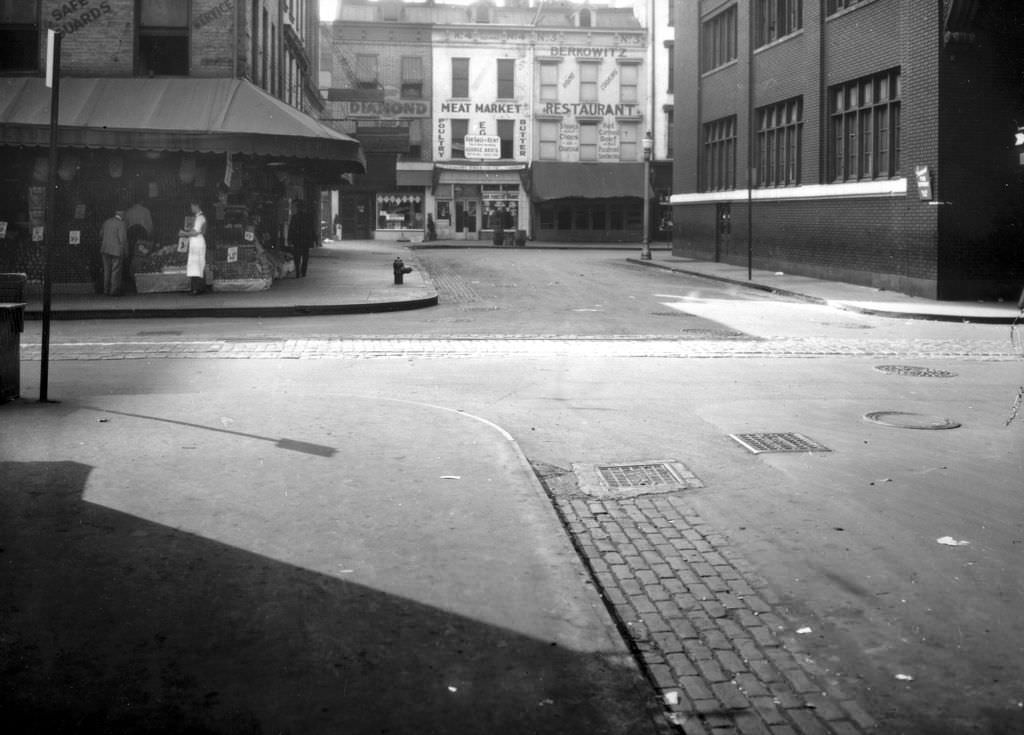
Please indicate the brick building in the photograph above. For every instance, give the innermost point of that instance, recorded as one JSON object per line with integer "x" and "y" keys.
{"x": 866, "y": 141}
{"x": 161, "y": 101}
{"x": 478, "y": 114}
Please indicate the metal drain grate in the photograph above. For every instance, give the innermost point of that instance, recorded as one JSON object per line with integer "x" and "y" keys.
{"x": 637, "y": 475}
{"x": 913, "y": 371}
{"x": 778, "y": 442}
{"x": 630, "y": 479}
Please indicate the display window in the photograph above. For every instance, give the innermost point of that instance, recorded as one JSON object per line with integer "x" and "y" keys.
{"x": 399, "y": 211}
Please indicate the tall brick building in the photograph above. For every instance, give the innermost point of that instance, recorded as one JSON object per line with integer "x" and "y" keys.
{"x": 161, "y": 101}
{"x": 868, "y": 141}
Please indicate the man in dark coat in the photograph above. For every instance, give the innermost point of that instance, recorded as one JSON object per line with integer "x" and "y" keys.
{"x": 303, "y": 235}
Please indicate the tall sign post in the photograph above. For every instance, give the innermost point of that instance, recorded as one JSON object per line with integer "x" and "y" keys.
{"x": 648, "y": 146}
{"x": 53, "y": 82}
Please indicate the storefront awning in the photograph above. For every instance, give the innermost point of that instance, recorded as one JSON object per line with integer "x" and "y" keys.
{"x": 171, "y": 113}
{"x": 559, "y": 180}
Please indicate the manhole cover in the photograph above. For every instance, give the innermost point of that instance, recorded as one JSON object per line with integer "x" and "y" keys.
{"x": 914, "y": 371}
{"x": 904, "y": 420}
{"x": 778, "y": 442}
{"x": 629, "y": 479}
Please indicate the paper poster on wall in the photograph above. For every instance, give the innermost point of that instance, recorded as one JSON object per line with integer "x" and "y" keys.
{"x": 249, "y": 235}
{"x": 182, "y": 244}
{"x": 37, "y": 233}
{"x": 233, "y": 254}
{"x": 3, "y": 230}
{"x": 443, "y": 210}
{"x": 74, "y": 237}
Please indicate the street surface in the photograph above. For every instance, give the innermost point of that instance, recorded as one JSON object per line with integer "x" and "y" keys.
{"x": 867, "y": 622}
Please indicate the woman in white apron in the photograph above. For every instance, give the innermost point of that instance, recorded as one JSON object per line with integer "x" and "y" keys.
{"x": 196, "y": 250}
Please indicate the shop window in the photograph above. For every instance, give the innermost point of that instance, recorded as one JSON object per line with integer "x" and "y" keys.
{"x": 615, "y": 220}
{"x": 367, "y": 70}
{"x": 460, "y": 77}
{"x": 564, "y": 218}
{"x": 548, "y": 134}
{"x": 507, "y": 132}
{"x": 412, "y": 78}
{"x": 779, "y": 143}
{"x": 581, "y": 217}
{"x": 460, "y": 128}
{"x": 718, "y": 39}
{"x": 629, "y": 83}
{"x": 588, "y": 141}
{"x": 864, "y": 140}
{"x": 629, "y": 149}
{"x": 719, "y": 155}
{"x": 19, "y": 36}
{"x": 588, "y": 81}
{"x": 774, "y": 19}
{"x": 163, "y": 40}
{"x": 506, "y": 78}
{"x": 399, "y": 211}
{"x": 546, "y": 213}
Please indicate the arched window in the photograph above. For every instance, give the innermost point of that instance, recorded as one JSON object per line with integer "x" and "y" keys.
{"x": 584, "y": 19}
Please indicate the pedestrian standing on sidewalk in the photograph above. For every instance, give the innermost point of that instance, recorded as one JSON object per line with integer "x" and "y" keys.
{"x": 113, "y": 250}
{"x": 195, "y": 270}
{"x": 302, "y": 235}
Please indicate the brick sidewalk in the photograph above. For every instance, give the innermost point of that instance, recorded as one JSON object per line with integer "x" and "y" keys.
{"x": 706, "y": 629}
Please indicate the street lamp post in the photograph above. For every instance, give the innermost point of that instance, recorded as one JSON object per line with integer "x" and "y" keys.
{"x": 645, "y": 249}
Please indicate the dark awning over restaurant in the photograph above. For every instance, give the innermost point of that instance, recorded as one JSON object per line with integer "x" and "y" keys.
{"x": 171, "y": 113}
{"x": 561, "y": 180}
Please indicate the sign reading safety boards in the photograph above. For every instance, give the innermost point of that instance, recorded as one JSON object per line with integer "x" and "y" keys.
{"x": 485, "y": 147}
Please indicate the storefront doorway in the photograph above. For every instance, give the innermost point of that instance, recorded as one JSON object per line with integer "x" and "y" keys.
{"x": 357, "y": 213}
{"x": 467, "y": 219}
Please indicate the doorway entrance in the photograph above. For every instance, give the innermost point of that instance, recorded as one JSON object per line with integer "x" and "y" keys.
{"x": 467, "y": 219}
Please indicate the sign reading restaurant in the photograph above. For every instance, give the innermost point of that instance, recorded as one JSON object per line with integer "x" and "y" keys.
{"x": 590, "y": 109}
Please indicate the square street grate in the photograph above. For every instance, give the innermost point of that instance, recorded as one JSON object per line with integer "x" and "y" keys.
{"x": 778, "y": 442}
{"x": 630, "y": 479}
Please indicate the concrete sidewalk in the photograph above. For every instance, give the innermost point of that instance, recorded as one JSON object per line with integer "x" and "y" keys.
{"x": 354, "y": 276}
{"x": 343, "y": 278}
{"x": 203, "y": 552}
{"x": 851, "y": 297}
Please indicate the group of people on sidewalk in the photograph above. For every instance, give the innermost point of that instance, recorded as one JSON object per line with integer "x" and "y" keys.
{"x": 120, "y": 232}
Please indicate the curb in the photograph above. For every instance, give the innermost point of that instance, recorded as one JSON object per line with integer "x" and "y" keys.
{"x": 236, "y": 311}
{"x": 845, "y": 306}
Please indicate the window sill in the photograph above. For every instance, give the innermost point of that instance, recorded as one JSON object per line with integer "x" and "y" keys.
{"x": 779, "y": 41}
{"x": 726, "y": 65}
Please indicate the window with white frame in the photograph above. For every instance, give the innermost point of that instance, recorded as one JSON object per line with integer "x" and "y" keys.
{"x": 548, "y": 135}
{"x": 588, "y": 141}
{"x": 629, "y": 83}
{"x": 588, "y": 81}
{"x": 629, "y": 149}
{"x": 549, "y": 81}
{"x": 506, "y": 79}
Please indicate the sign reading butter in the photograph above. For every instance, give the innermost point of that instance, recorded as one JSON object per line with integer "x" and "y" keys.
{"x": 483, "y": 146}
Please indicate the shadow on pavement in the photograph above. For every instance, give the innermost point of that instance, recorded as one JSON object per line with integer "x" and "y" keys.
{"x": 110, "y": 623}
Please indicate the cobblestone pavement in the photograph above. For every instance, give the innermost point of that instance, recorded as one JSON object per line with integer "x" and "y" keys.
{"x": 708, "y": 631}
{"x": 700, "y": 344}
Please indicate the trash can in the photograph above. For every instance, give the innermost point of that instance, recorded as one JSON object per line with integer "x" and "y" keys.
{"x": 12, "y": 323}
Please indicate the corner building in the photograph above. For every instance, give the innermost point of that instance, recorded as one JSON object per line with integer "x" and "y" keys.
{"x": 867, "y": 141}
{"x": 162, "y": 102}
{"x": 534, "y": 118}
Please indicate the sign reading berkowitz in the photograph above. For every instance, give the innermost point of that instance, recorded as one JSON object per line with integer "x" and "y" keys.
{"x": 484, "y": 147}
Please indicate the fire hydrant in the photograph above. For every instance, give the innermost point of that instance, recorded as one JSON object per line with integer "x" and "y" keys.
{"x": 400, "y": 270}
